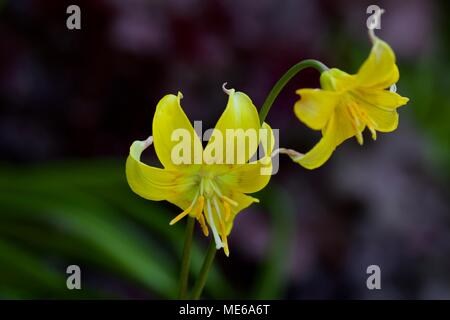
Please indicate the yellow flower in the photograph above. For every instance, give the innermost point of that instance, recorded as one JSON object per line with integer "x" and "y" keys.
{"x": 347, "y": 104}
{"x": 204, "y": 188}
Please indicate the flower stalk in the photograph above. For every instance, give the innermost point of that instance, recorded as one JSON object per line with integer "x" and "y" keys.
{"x": 203, "y": 276}
{"x": 186, "y": 258}
{"x": 281, "y": 83}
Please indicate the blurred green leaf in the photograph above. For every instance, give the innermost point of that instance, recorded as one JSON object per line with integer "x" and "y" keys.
{"x": 85, "y": 211}
{"x": 273, "y": 276}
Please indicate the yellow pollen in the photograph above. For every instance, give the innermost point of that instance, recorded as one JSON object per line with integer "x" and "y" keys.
{"x": 200, "y": 205}
{"x": 356, "y": 124}
{"x": 216, "y": 220}
{"x": 224, "y": 239}
{"x": 181, "y": 215}
{"x": 201, "y": 220}
{"x": 199, "y": 215}
{"x": 227, "y": 210}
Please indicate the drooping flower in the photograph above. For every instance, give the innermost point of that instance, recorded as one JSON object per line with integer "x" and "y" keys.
{"x": 348, "y": 103}
{"x": 211, "y": 186}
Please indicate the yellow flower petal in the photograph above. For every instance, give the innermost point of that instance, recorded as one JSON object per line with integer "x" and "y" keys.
{"x": 246, "y": 178}
{"x": 383, "y": 99}
{"x": 243, "y": 201}
{"x": 154, "y": 183}
{"x": 379, "y": 70}
{"x": 345, "y": 126}
{"x": 253, "y": 176}
{"x": 383, "y": 120}
{"x": 169, "y": 117}
{"x": 315, "y": 107}
{"x": 337, "y": 80}
{"x": 348, "y": 103}
{"x": 241, "y": 116}
{"x": 270, "y": 144}
{"x": 322, "y": 151}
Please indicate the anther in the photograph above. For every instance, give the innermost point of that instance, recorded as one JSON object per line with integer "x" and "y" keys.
{"x": 227, "y": 211}
{"x": 181, "y": 216}
{"x": 224, "y": 239}
{"x": 201, "y": 220}
{"x": 185, "y": 212}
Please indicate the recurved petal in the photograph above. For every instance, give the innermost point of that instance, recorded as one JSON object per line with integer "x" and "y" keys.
{"x": 379, "y": 70}
{"x": 322, "y": 151}
{"x": 154, "y": 183}
{"x": 316, "y": 107}
{"x": 171, "y": 127}
{"x": 267, "y": 139}
{"x": 238, "y": 127}
{"x": 383, "y": 120}
{"x": 383, "y": 99}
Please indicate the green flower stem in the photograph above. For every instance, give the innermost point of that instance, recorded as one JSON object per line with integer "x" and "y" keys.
{"x": 207, "y": 263}
{"x": 185, "y": 260}
{"x": 273, "y": 94}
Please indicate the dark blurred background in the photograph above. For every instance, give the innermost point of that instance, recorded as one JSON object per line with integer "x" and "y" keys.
{"x": 72, "y": 102}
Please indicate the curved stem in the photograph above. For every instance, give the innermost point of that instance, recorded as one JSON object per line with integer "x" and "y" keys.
{"x": 273, "y": 94}
{"x": 207, "y": 263}
{"x": 185, "y": 260}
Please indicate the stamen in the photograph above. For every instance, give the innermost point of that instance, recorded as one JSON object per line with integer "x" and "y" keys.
{"x": 219, "y": 243}
{"x": 370, "y": 124}
{"x": 199, "y": 215}
{"x": 373, "y": 131}
{"x": 223, "y": 234}
{"x": 224, "y": 239}
{"x": 230, "y": 201}
{"x": 201, "y": 204}
{"x": 227, "y": 210}
{"x": 355, "y": 118}
{"x": 216, "y": 205}
{"x": 181, "y": 215}
{"x": 185, "y": 212}
{"x": 356, "y": 124}
{"x": 221, "y": 196}
{"x": 201, "y": 220}
{"x": 215, "y": 188}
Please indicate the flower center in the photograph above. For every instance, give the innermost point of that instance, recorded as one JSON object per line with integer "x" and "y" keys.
{"x": 210, "y": 206}
{"x": 359, "y": 118}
